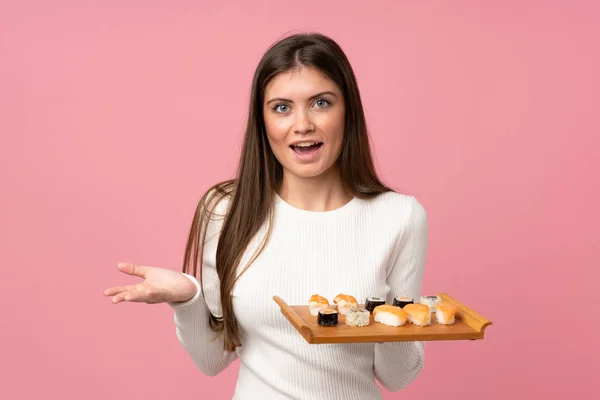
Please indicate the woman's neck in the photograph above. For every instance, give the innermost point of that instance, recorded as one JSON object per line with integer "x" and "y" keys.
{"x": 321, "y": 193}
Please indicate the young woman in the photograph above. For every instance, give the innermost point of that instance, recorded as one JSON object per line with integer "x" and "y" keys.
{"x": 305, "y": 214}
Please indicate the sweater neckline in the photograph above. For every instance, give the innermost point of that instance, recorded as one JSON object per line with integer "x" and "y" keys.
{"x": 290, "y": 209}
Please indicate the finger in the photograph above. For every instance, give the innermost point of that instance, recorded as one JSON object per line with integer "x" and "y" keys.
{"x": 118, "y": 298}
{"x": 136, "y": 297}
{"x": 133, "y": 269}
{"x": 128, "y": 296}
{"x": 147, "y": 295}
{"x": 118, "y": 289}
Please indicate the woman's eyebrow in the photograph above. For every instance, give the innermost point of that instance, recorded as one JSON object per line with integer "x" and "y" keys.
{"x": 310, "y": 98}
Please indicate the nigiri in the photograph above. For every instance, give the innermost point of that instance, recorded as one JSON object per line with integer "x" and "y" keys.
{"x": 344, "y": 303}
{"x": 316, "y": 303}
{"x": 418, "y": 314}
{"x": 389, "y": 315}
{"x": 445, "y": 313}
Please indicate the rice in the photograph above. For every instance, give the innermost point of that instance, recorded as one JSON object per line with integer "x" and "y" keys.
{"x": 358, "y": 317}
{"x": 389, "y": 319}
{"x": 415, "y": 321}
{"x": 441, "y": 318}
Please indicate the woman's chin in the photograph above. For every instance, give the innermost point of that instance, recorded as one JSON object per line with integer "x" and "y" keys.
{"x": 308, "y": 171}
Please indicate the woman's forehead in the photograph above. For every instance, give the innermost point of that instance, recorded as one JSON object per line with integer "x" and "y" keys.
{"x": 299, "y": 84}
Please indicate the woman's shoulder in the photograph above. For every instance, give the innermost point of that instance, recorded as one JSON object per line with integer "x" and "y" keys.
{"x": 399, "y": 207}
{"x": 397, "y": 201}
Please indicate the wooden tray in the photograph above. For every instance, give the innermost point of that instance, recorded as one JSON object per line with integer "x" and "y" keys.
{"x": 469, "y": 325}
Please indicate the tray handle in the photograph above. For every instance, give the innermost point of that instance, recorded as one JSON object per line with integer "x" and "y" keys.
{"x": 469, "y": 316}
{"x": 294, "y": 318}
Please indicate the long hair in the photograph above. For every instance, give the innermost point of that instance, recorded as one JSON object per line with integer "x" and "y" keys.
{"x": 251, "y": 193}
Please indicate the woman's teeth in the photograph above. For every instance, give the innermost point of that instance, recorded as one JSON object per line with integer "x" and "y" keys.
{"x": 306, "y": 144}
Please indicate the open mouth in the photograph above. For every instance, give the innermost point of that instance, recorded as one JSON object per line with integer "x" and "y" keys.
{"x": 306, "y": 148}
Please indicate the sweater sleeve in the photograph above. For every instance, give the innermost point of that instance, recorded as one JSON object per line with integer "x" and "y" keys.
{"x": 397, "y": 364}
{"x": 192, "y": 317}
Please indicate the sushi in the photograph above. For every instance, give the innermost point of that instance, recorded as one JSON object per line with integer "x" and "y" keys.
{"x": 389, "y": 315}
{"x": 430, "y": 301}
{"x": 344, "y": 303}
{"x": 358, "y": 317}
{"x": 401, "y": 301}
{"x": 445, "y": 313}
{"x": 373, "y": 302}
{"x": 316, "y": 303}
{"x": 327, "y": 317}
{"x": 418, "y": 314}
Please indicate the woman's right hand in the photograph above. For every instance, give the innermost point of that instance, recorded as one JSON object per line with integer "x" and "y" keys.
{"x": 159, "y": 285}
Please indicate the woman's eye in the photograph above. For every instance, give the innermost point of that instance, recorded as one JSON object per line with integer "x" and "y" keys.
{"x": 321, "y": 103}
{"x": 281, "y": 108}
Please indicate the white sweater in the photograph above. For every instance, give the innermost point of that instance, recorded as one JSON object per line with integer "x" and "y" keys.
{"x": 366, "y": 248}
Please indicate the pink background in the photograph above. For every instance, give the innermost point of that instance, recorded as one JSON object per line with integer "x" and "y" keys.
{"x": 116, "y": 116}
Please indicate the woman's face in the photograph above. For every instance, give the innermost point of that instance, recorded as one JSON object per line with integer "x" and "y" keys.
{"x": 304, "y": 116}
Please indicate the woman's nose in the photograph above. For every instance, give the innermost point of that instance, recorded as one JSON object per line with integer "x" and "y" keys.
{"x": 303, "y": 122}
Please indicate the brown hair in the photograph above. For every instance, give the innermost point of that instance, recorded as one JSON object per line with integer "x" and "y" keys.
{"x": 259, "y": 174}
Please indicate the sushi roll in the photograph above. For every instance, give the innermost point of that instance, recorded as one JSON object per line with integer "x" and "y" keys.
{"x": 401, "y": 301}
{"x": 327, "y": 317}
{"x": 358, "y": 317}
{"x": 418, "y": 314}
{"x": 316, "y": 303}
{"x": 430, "y": 301}
{"x": 445, "y": 313}
{"x": 373, "y": 302}
{"x": 344, "y": 303}
{"x": 389, "y": 315}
